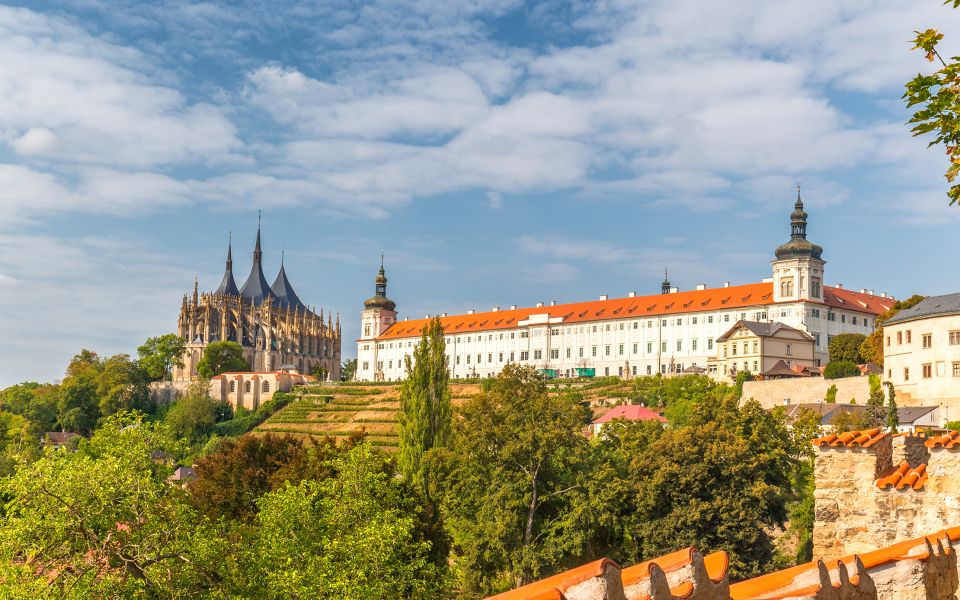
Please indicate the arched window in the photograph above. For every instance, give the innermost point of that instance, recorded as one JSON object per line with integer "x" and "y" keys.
{"x": 233, "y": 386}
{"x": 786, "y": 287}
{"x": 266, "y": 386}
{"x": 248, "y": 386}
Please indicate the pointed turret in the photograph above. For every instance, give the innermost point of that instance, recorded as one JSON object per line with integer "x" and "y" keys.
{"x": 665, "y": 286}
{"x": 228, "y": 287}
{"x": 256, "y": 289}
{"x": 798, "y": 246}
{"x": 283, "y": 291}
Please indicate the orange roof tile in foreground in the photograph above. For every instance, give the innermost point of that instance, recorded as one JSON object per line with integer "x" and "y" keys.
{"x": 850, "y": 439}
{"x": 951, "y": 439}
{"x": 904, "y": 477}
{"x": 554, "y": 587}
{"x": 740, "y": 296}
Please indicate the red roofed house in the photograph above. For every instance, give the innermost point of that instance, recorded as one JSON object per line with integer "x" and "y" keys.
{"x": 627, "y": 412}
{"x": 250, "y": 390}
{"x": 665, "y": 333}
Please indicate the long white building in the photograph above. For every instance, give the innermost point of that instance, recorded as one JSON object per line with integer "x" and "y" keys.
{"x": 637, "y": 335}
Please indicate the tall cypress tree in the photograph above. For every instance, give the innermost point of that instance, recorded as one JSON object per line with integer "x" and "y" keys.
{"x": 424, "y": 403}
{"x": 893, "y": 418}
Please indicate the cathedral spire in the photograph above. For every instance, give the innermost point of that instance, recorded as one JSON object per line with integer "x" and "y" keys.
{"x": 256, "y": 287}
{"x": 282, "y": 290}
{"x": 228, "y": 286}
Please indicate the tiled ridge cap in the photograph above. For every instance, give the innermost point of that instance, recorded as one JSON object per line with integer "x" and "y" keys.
{"x": 904, "y": 477}
{"x": 851, "y": 439}
{"x": 716, "y": 565}
{"x": 779, "y": 585}
{"x": 951, "y": 439}
{"x": 554, "y": 586}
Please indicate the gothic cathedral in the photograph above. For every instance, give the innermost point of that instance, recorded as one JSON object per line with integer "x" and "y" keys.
{"x": 276, "y": 330}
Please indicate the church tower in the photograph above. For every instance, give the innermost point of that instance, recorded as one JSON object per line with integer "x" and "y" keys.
{"x": 798, "y": 268}
{"x": 379, "y": 313}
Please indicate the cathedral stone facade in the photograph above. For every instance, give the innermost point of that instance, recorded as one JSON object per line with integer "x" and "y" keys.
{"x": 276, "y": 330}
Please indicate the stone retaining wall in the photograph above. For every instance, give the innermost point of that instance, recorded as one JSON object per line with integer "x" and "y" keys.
{"x": 777, "y": 392}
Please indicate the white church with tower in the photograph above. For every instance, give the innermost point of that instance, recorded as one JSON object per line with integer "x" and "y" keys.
{"x": 671, "y": 332}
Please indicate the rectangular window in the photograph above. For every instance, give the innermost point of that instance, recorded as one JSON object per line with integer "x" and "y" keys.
{"x": 580, "y": 352}
{"x": 733, "y": 349}
{"x": 927, "y": 371}
{"x": 663, "y": 347}
{"x": 366, "y": 365}
{"x": 537, "y": 354}
{"x": 606, "y": 371}
{"x": 710, "y": 319}
{"x": 608, "y": 326}
{"x": 745, "y": 350}
{"x": 634, "y": 369}
{"x": 694, "y": 320}
{"x": 815, "y": 313}
{"x": 479, "y": 358}
{"x": 490, "y": 358}
{"x": 621, "y": 326}
{"x": 458, "y": 359}
{"x": 636, "y": 324}
{"x": 635, "y": 347}
{"x": 816, "y": 339}
{"x": 500, "y": 357}
{"x": 679, "y": 321}
{"x": 621, "y": 349}
{"x": 909, "y": 337}
{"x": 956, "y": 369}
{"x": 754, "y": 366}
{"x": 789, "y": 352}
{"x": 555, "y": 353}
{"x": 888, "y": 340}
{"x": 726, "y": 318}
{"x": 593, "y": 351}
{"x": 679, "y": 345}
{"x": 843, "y": 318}
{"x": 831, "y": 316}
{"x": 524, "y": 355}
{"x": 709, "y": 343}
{"x": 693, "y": 345}
{"x": 649, "y": 347}
{"x": 468, "y": 359}
{"x": 568, "y": 352}
{"x": 928, "y": 340}
{"x": 854, "y": 320}
{"x": 649, "y": 370}
{"x": 906, "y": 373}
{"x": 756, "y": 346}
{"x": 899, "y": 337}
{"x": 663, "y": 323}
{"x": 511, "y": 357}
{"x": 606, "y": 351}
{"x": 954, "y": 338}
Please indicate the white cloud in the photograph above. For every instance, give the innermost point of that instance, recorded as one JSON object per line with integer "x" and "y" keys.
{"x": 38, "y": 140}
{"x": 495, "y": 199}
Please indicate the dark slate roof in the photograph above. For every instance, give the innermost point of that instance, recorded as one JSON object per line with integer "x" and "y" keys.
{"x": 761, "y": 329}
{"x": 909, "y": 414}
{"x": 929, "y": 307}
{"x": 256, "y": 289}
{"x": 228, "y": 286}
{"x": 782, "y": 369}
{"x": 283, "y": 293}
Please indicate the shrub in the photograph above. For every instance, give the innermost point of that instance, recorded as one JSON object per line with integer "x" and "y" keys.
{"x": 831, "y": 397}
{"x": 840, "y": 368}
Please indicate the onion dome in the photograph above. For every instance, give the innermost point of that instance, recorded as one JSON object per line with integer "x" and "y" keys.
{"x": 379, "y": 299}
{"x": 228, "y": 287}
{"x": 256, "y": 289}
{"x": 283, "y": 293}
{"x": 665, "y": 285}
{"x": 798, "y": 246}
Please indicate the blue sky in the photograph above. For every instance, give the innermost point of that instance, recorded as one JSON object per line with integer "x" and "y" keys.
{"x": 497, "y": 151}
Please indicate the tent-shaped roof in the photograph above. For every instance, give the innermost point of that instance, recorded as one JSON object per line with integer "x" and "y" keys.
{"x": 256, "y": 288}
{"x": 630, "y": 412}
{"x": 283, "y": 292}
{"x": 228, "y": 287}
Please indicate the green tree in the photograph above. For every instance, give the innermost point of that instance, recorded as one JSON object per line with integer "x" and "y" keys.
{"x": 831, "y": 397}
{"x": 937, "y": 102}
{"x": 424, "y": 416}
{"x": 839, "y": 369}
{"x": 193, "y": 417}
{"x": 851, "y": 420}
{"x": 507, "y": 479}
{"x": 78, "y": 406}
{"x": 742, "y": 377}
{"x": 875, "y": 402}
{"x": 122, "y": 386}
{"x": 103, "y": 521}
{"x": 846, "y": 347}
{"x": 222, "y": 357}
{"x": 348, "y": 369}
{"x": 871, "y": 350}
{"x": 35, "y": 402}
{"x": 351, "y": 536}
{"x": 893, "y": 418}
{"x": 158, "y": 355}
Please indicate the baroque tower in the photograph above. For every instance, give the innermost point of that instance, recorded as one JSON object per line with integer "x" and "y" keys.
{"x": 798, "y": 268}
{"x": 379, "y": 313}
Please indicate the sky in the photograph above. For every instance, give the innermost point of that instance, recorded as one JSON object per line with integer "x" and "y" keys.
{"x": 497, "y": 152}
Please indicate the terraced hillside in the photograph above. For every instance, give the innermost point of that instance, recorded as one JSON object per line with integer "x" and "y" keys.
{"x": 344, "y": 410}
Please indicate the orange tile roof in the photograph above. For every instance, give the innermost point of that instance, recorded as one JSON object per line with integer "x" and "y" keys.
{"x": 948, "y": 440}
{"x": 691, "y": 301}
{"x": 904, "y": 477}
{"x": 554, "y": 587}
{"x": 850, "y": 439}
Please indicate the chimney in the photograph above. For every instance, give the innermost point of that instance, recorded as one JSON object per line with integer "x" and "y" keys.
{"x": 495, "y": 309}
{"x": 863, "y": 290}
{"x": 553, "y": 303}
{"x": 631, "y": 295}
{"x": 871, "y": 293}
{"x": 603, "y": 296}
{"x": 883, "y": 294}
{"x": 674, "y": 290}
{"x": 701, "y": 287}
{"x": 539, "y": 304}
{"x": 513, "y": 307}
{"x": 726, "y": 284}
{"x": 443, "y": 314}
{"x": 839, "y": 286}
{"x": 426, "y": 316}
{"x": 470, "y": 312}
{"x": 406, "y": 318}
